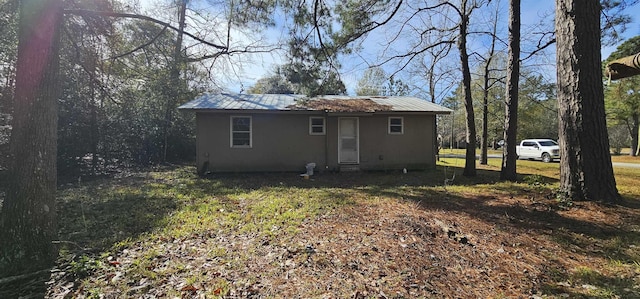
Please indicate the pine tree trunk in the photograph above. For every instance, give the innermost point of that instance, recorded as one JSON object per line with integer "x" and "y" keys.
{"x": 432, "y": 95}
{"x": 174, "y": 74}
{"x": 485, "y": 109}
{"x": 484, "y": 159}
{"x": 28, "y": 217}
{"x": 470, "y": 156}
{"x": 95, "y": 138}
{"x": 586, "y": 172}
{"x": 509, "y": 156}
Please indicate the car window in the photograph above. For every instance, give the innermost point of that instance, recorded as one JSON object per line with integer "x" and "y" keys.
{"x": 548, "y": 143}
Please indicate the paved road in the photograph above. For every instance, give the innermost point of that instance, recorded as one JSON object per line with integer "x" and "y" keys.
{"x": 615, "y": 164}
{"x": 629, "y": 165}
{"x": 462, "y": 156}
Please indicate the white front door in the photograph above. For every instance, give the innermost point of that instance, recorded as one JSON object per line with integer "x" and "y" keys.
{"x": 348, "y": 144}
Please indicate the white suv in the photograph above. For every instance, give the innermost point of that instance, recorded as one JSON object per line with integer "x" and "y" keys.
{"x": 546, "y": 150}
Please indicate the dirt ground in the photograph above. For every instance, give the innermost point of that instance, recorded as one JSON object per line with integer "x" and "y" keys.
{"x": 401, "y": 242}
{"x": 456, "y": 248}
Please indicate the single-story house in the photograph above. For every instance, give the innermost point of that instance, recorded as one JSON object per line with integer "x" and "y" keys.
{"x": 282, "y": 132}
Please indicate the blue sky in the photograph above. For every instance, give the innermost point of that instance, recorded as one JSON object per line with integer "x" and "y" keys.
{"x": 247, "y": 70}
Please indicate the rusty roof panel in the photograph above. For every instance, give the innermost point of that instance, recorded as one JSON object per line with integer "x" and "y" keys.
{"x": 340, "y": 105}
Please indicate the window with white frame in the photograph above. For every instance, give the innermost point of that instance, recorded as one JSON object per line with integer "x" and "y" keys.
{"x": 396, "y": 125}
{"x": 317, "y": 126}
{"x": 241, "y": 131}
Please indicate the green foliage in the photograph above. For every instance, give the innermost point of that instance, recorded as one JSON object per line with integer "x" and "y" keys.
{"x": 84, "y": 266}
{"x": 537, "y": 110}
{"x": 627, "y": 48}
{"x": 357, "y": 17}
{"x": 376, "y": 82}
{"x": 122, "y": 80}
{"x": 371, "y": 82}
{"x": 564, "y": 199}
{"x": 396, "y": 87}
{"x": 8, "y": 54}
{"x": 113, "y": 113}
{"x": 614, "y": 20}
{"x": 618, "y": 138}
{"x": 622, "y": 100}
{"x": 313, "y": 78}
{"x": 300, "y": 78}
{"x": 495, "y": 99}
{"x": 274, "y": 84}
{"x": 252, "y": 13}
{"x": 535, "y": 180}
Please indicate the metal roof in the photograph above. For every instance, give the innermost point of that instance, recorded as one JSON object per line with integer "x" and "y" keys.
{"x": 284, "y": 102}
{"x": 236, "y": 101}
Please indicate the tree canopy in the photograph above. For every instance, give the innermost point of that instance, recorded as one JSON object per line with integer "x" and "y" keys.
{"x": 376, "y": 82}
{"x": 622, "y": 98}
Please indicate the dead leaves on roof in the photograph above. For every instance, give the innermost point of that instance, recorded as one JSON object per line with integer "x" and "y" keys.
{"x": 340, "y": 105}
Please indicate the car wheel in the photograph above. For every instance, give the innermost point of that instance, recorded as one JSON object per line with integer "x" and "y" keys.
{"x": 546, "y": 158}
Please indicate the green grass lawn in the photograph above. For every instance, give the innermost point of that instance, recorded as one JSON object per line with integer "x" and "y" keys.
{"x": 169, "y": 233}
{"x": 624, "y": 158}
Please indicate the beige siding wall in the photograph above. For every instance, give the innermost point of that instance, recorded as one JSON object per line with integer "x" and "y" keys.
{"x": 281, "y": 142}
{"x": 412, "y": 150}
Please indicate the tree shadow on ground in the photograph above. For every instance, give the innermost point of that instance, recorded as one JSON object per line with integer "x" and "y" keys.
{"x": 541, "y": 213}
{"x": 538, "y": 212}
{"x": 573, "y": 285}
{"x": 429, "y": 178}
{"x": 97, "y": 214}
{"x": 102, "y": 213}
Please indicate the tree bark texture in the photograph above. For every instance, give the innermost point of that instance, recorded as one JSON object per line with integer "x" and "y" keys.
{"x": 174, "y": 73}
{"x": 509, "y": 156}
{"x": 484, "y": 159}
{"x": 470, "y": 156}
{"x": 432, "y": 95}
{"x": 586, "y": 172}
{"x": 28, "y": 216}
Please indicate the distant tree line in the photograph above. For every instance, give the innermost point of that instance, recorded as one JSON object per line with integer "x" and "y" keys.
{"x": 91, "y": 87}
{"x": 121, "y": 78}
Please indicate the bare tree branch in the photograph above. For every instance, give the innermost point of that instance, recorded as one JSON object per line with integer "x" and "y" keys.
{"x": 216, "y": 55}
{"x": 414, "y": 53}
{"x": 84, "y": 12}
{"x": 316, "y": 5}
{"x": 372, "y": 25}
{"x": 539, "y": 49}
{"x": 86, "y": 70}
{"x": 141, "y": 46}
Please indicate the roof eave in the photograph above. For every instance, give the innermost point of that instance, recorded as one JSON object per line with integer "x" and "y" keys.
{"x": 300, "y": 111}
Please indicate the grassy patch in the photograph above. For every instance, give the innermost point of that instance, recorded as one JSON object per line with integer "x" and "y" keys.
{"x": 170, "y": 233}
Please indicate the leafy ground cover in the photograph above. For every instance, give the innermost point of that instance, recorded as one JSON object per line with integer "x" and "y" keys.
{"x": 166, "y": 233}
